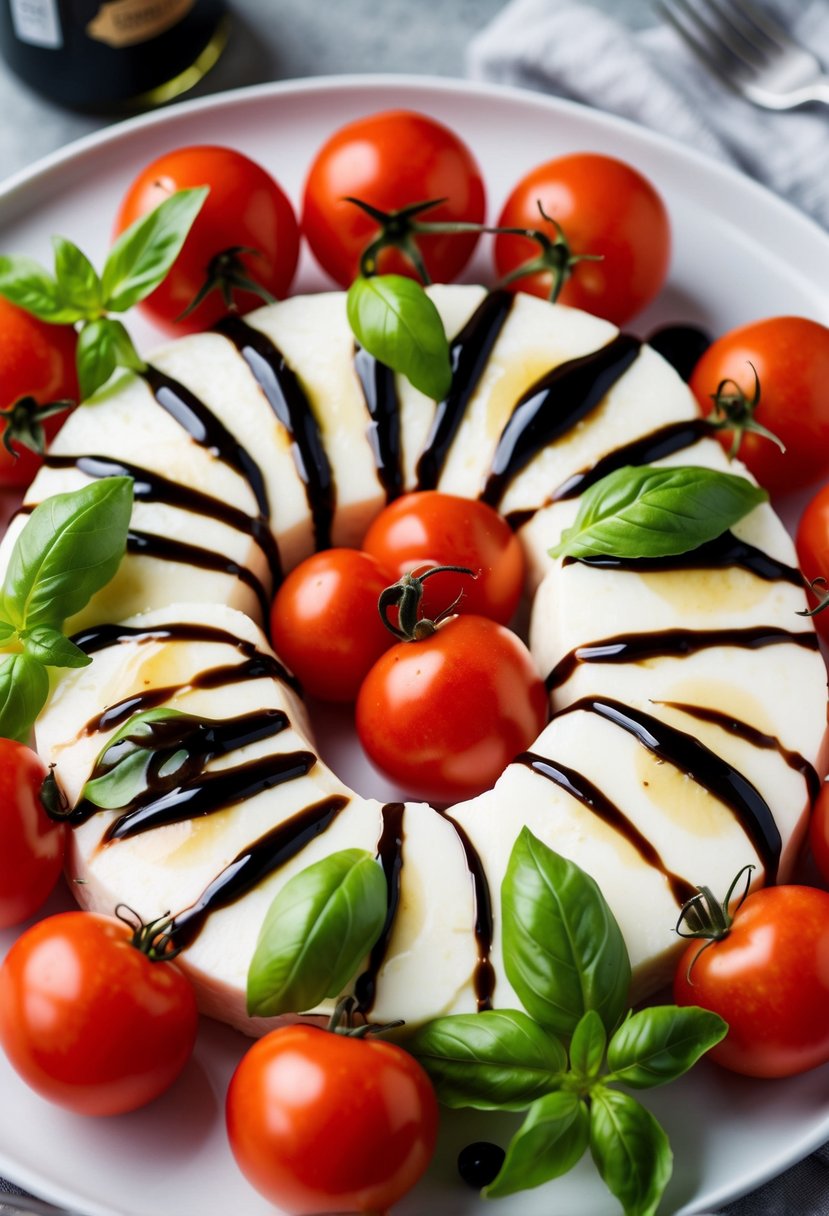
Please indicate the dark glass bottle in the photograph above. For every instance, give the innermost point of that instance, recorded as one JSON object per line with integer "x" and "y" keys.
{"x": 111, "y": 54}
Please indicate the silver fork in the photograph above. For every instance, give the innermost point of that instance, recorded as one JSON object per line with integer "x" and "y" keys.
{"x": 749, "y": 51}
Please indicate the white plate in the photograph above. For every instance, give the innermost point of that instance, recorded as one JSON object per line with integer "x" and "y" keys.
{"x": 739, "y": 254}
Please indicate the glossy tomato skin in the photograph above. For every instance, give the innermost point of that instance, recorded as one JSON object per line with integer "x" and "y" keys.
{"x": 791, "y": 358}
{"x": 812, "y": 542}
{"x": 88, "y": 1021}
{"x": 320, "y": 1122}
{"x": 769, "y": 979}
{"x": 325, "y": 623}
{"x": 31, "y": 856}
{"x": 245, "y": 207}
{"x": 36, "y": 360}
{"x": 605, "y": 207}
{"x": 434, "y": 529}
{"x": 444, "y": 716}
{"x": 391, "y": 159}
{"x": 819, "y": 832}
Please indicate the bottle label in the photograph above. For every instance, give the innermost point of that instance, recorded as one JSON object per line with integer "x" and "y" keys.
{"x": 37, "y": 22}
{"x": 127, "y": 22}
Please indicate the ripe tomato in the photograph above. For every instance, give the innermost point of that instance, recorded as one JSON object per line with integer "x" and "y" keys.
{"x": 31, "y": 856}
{"x": 88, "y": 1020}
{"x": 245, "y": 208}
{"x": 813, "y": 548}
{"x": 325, "y": 624}
{"x": 605, "y": 207}
{"x": 443, "y": 716}
{"x": 791, "y": 358}
{"x": 322, "y": 1122}
{"x": 819, "y": 832}
{"x": 391, "y": 160}
{"x": 769, "y": 978}
{"x": 434, "y": 529}
{"x": 36, "y": 360}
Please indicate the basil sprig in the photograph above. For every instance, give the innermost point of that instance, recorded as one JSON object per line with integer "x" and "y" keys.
{"x": 70, "y": 548}
{"x": 75, "y": 294}
{"x": 392, "y": 317}
{"x": 568, "y": 963}
{"x": 317, "y": 931}
{"x": 642, "y": 511}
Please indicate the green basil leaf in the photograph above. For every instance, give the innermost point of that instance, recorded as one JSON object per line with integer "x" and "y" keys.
{"x": 24, "y": 687}
{"x": 587, "y": 1047}
{"x": 71, "y": 546}
{"x": 563, "y": 950}
{"x": 49, "y": 646}
{"x": 656, "y": 512}
{"x": 7, "y": 632}
{"x": 78, "y": 281}
{"x": 143, "y": 254}
{"x": 317, "y": 931}
{"x": 659, "y": 1044}
{"x": 172, "y": 741}
{"x": 30, "y": 287}
{"x": 394, "y": 319}
{"x": 103, "y": 345}
{"x": 630, "y": 1149}
{"x": 550, "y": 1141}
{"x": 495, "y": 1060}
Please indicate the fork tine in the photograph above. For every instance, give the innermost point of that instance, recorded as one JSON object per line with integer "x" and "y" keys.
{"x": 697, "y": 36}
{"x": 733, "y": 17}
{"x": 761, "y": 24}
{"x": 714, "y": 21}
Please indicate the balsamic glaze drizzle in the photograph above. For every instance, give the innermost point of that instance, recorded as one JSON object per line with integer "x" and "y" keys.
{"x": 390, "y": 856}
{"x": 709, "y": 770}
{"x": 469, "y": 353}
{"x": 286, "y": 397}
{"x": 379, "y": 387}
{"x": 674, "y": 643}
{"x": 681, "y": 345}
{"x": 726, "y": 550}
{"x": 254, "y": 864}
{"x": 553, "y": 405}
{"x": 596, "y": 801}
{"x": 484, "y": 975}
{"x": 165, "y": 549}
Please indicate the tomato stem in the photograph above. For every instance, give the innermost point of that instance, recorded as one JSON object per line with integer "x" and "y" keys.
{"x": 226, "y": 273}
{"x": 705, "y": 917}
{"x": 24, "y": 420}
{"x": 819, "y": 588}
{"x": 151, "y": 938}
{"x": 406, "y": 595}
{"x": 734, "y": 411}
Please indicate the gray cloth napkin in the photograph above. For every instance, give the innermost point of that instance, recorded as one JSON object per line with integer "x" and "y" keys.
{"x": 575, "y": 51}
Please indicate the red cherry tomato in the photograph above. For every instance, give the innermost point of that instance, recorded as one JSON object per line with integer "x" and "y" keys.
{"x": 325, "y": 624}
{"x": 791, "y": 358}
{"x": 819, "y": 832}
{"x": 813, "y": 548}
{"x": 322, "y": 1122}
{"x": 31, "y": 855}
{"x": 444, "y": 716}
{"x": 605, "y": 207}
{"x": 433, "y": 529}
{"x": 245, "y": 208}
{"x": 36, "y": 360}
{"x": 391, "y": 160}
{"x": 88, "y": 1020}
{"x": 769, "y": 978}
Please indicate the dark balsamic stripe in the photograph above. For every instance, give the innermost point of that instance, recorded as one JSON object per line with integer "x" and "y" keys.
{"x": 469, "y": 354}
{"x": 553, "y": 406}
{"x": 719, "y": 554}
{"x": 757, "y": 738}
{"x": 164, "y": 549}
{"x": 379, "y": 387}
{"x": 674, "y": 643}
{"x": 254, "y": 864}
{"x": 284, "y": 393}
{"x": 709, "y": 770}
{"x": 212, "y": 792}
{"x": 681, "y": 345}
{"x": 390, "y": 856}
{"x": 149, "y": 486}
{"x": 592, "y": 797}
{"x": 484, "y": 977}
{"x": 208, "y": 431}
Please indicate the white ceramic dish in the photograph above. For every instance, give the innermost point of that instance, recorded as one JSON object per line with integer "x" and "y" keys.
{"x": 739, "y": 254}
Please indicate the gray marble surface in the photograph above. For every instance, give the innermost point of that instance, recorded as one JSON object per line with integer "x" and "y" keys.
{"x": 280, "y": 39}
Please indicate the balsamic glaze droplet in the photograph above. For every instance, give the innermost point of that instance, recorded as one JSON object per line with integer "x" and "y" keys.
{"x": 681, "y": 345}
{"x": 480, "y": 1163}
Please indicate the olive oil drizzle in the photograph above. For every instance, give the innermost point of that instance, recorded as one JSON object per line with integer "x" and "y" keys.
{"x": 390, "y": 856}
